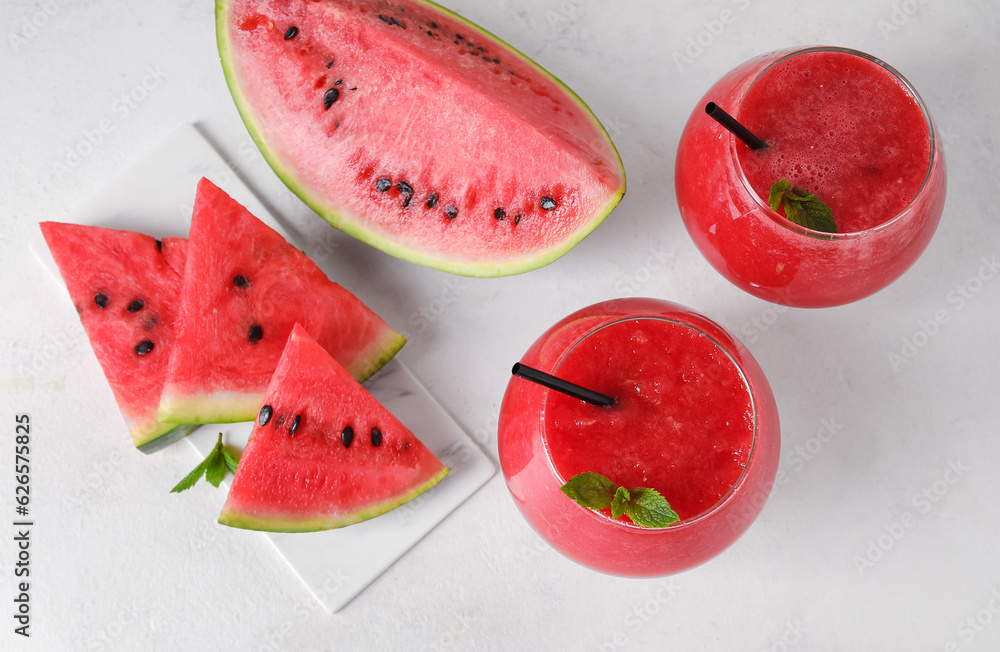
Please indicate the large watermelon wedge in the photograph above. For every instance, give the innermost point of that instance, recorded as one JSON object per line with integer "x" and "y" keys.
{"x": 323, "y": 453}
{"x": 244, "y": 288}
{"x": 419, "y": 132}
{"x": 125, "y": 287}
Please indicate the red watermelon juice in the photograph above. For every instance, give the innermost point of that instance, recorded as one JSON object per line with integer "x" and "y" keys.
{"x": 694, "y": 418}
{"x": 838, "y": 123}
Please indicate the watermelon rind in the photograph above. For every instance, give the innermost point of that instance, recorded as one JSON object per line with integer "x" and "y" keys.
{"x": 388, "y": 245}
{"x": 162, "y": 437}
{"x": 231, "y": 407}
{"x": 238, "y": 519}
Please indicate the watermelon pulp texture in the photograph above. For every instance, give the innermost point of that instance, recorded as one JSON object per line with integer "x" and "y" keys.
{"x": 296, "y": 473}
{"x": 419, "y": 132}
{"x": 125, "y": 287}
{"x": 244, "y": 288}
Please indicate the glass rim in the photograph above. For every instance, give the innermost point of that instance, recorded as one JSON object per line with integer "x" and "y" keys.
{"x": 734, "y": 488}
{"x": 849, "y": 235}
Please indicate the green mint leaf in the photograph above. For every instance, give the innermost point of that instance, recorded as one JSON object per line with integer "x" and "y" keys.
{"x": 619, "y": 502}
{"x": 648, "y": 508}
{"x": 590, "y": 490}
{"x": 778, "y": 191}
{"x": 213, "y": 467}
{"x": 801, "y": 207}
{"x": 216, "y": 470}
{"x": 232, "y": 461}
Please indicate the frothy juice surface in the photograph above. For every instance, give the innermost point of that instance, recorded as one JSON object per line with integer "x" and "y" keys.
{"x": 842, "y": 127}
{"x": 683, "y": 421}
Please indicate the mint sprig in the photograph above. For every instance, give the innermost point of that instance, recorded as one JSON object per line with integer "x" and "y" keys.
{"x": 644, "y": 506}
{"x": 801, "y": 207}
{"x": 213, "y": 467}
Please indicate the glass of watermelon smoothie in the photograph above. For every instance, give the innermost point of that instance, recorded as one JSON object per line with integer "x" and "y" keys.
{"x": 693, "y": 418}
{"x": 838, "y": 123}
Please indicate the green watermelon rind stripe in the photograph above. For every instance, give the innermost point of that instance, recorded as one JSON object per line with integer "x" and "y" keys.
{"x": 388, "y": 245}
{"x": 212, "y": 407}
{"x": 234, "y": 407}
{"x": 162, "y": 437}
{"x": 384, "y": 351}
{"x": 312, "y": 523}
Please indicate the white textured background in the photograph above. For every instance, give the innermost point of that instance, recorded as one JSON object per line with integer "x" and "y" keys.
{"x": 118, "y": 563}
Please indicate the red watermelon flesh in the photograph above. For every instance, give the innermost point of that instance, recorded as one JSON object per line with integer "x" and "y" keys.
{"x": 244, "y": 288}
{"x": 419, "y": 132}
{"x": 125, "y": 287}
{"x": 296, "y": 473}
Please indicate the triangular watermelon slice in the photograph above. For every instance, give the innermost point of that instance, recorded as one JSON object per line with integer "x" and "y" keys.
{"x": 244, "y": 288}
{"x": 125, "y": 287}
{"x": 323, "y": 453}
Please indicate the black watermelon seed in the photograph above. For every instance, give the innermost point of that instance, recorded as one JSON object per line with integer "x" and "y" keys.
{"x": 430, "y": 33}
{"x": 255, "y": 334}
{"x": 384, "y": 19}
{"x": 499, "y": 214}
{"x": 547, "y": 203}
{"x": 451, "y": 212}
{"x": 459, "y": 37}
{"x": 330, "y": 97}
{"x": 265, "y": 415}
{"x": 354, "y": 88}
{"x": 101, "y": 300}
{"x": 159, "y": 245}
{"x": 143, "y": 347}
{"x": 496, "y": 60}
{"x": 396, "y": 22}
{"x": 432, "y": 200}
{"x": 376, "y": 437}
{"x": 136, "y": 305}
{"x": 481, "y": 48}
{"x": 406, "y": 202}
{"x": 330, "y": 62}
{"x": 383, "y": 184}
{"x": 517, "y": 218}
{"x": 338, "y": 82}
{"x": 291, "y": 32}
{"x": 295, "y": 424}
{"x": 241, "y": 281}
{"x": 434, "y": 25}
{"x": 404, "y": 188}
{"x": 486, "y": 59}
{"x": 347, "y": 436}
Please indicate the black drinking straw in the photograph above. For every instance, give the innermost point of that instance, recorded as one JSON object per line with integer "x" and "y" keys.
{"x": 729, "y": 122}
{"x": 560, "y": 385}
